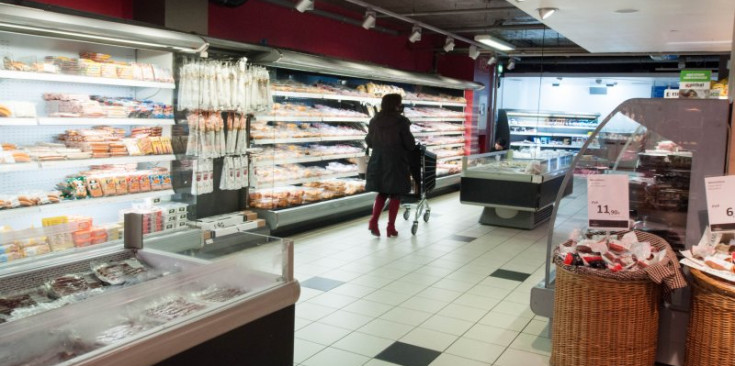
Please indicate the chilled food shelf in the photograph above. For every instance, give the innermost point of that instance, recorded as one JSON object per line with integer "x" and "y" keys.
{"x": 458, "y": 157}
{"x": 434, "y": 103}
{"x": 549, "y": 134}
{"x": 346, "y": 119}
{"x": 430, "y": 146}
{"x": 438, "y": 133}
{"x": 301, "y": 215}
{"x": 305, "y": 180}
{"x": 77, "y": 79}
{"x": 49, "y": 121}
{"x": 18, "y": 122}
{"x": 531, "y": 144}
{"x": 552, "y": 114}
{"x": 436, "y": 119}
{"x": 105, "y": 161}
{"x": 448, "y": 180}
{"x": 307, "y": 159}
{"x": 18, "y": 167}
{"x": 63, "y": 205}
{"x": 265, "y": 117}
{"x": 541, "y": 125}
{"x": 356, "y": 98}
{"x": 306, "y": 140}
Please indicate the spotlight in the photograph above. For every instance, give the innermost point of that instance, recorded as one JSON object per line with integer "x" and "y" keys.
{"x": 474, "y": 52}
{"x": 305, "y": 5}
{"x": 492, "y": 60}
{"x": 449, "y": 44}
{"x": 546, "y": 12}
{"x": 511, "y": 64}
{"x": 415, "y": 34}
{"x": 682, "y": 64}
{"x": 369, "y": 21}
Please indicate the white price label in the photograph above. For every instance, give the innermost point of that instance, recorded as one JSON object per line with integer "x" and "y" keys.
{"x": 607, "y": 202}
{"x": 721, "y": 203}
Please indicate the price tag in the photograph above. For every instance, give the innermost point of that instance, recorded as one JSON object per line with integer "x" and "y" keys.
{"x": 607, "y": 202}
{"x": 721, "y": 203}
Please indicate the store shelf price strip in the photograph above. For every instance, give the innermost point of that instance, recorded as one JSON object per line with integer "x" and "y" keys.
{"x": 607, "y": 202}
{"x": 720, "y": 193}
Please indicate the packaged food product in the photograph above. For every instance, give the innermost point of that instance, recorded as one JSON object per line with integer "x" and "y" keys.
{"x": 82, "y": 238}
{"x": 9, "y": 248}
{"x": 121, "y": 184}
{"x": 117, "y": 273}
{"x": 145, "y": 183}
{"x": 35, "y": 250}
{"x": 78, "y": 187}
{"x": 10, "y": 303}
{"x": 155, "y": 180}
{"x": 94, "y": 187}
{"x": 7, "y": 257}
{"x": 66, "y": 285}
{"x": 109, "y": 185}
{"x": 166, "y": 181}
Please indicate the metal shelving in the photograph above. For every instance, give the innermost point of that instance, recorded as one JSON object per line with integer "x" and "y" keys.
{"x": 302, "y": 140}
{"x": 50, "y": 121}
{"x": 438, "y": 133}
{"x": 307, "y": 159}
{"x": 363, "y": 99}
{"x": 304, "y": 180}
{"x": 78, "y": 79}
{"x": 537, "y": 125}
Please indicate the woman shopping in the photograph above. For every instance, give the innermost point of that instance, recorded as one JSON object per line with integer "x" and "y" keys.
{"x": 388, "y": 172}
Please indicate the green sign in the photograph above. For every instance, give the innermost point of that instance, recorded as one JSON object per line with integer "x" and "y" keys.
{"x": 695, "y": 76}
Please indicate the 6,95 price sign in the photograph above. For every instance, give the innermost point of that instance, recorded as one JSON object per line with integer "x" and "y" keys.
{"x": 607, "y": 202}
{"x": 721, "y": 203}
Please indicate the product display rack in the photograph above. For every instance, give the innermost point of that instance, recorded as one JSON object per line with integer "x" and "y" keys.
{"x": 549, "y": 130}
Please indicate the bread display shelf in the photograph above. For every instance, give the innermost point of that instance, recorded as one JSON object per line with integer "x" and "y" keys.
{"x": 54, "y": 207}
{"x": 306, "y": 139}
{"x": 304, "y": 180}
{"x": 438, "y": 133}
{"x": 77, "y": 79}
{"x": 542, "y": 125}
{"x": 356, "y": 98}
{"x": 549, "y": 134}
{"x": 307, "y": 159}
{"x": 18, "y": 122}
{"x": 436, "y": 119}
{"x": 48, "y": 121}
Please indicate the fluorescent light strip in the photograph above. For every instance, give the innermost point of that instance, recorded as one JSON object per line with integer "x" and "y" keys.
{"x": 494, "y": 43}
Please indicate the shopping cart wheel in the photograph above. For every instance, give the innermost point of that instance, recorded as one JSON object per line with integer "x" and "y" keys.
{"x": 427, "y": 214}
{"x": 406, "y": 214}
{"x": 414, "y": 228}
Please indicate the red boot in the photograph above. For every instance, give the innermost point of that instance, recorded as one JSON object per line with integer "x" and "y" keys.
{"x": 393, "y": 206}
{"x": 377, "y": 209}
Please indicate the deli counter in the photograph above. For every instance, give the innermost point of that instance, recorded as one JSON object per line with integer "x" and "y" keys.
{"x": 178, "y": 300}
{"x": 517, "y": 188}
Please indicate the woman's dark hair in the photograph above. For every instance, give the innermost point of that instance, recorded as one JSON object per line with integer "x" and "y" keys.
{"x": 391, "y": 103}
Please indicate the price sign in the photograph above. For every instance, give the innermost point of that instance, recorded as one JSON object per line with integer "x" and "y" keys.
{"x": 607, "y": 202}
{"x": 721, "y": 203}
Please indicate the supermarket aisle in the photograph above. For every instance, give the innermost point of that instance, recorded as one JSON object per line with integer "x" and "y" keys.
{"x": 455, "y": 294}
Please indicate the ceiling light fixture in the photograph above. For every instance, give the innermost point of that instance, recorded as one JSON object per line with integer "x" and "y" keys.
{"x": 415, "y": 34}
{"x": 474, "y": 52}
{"x": 304, "y": 5}
{"x": 626, "y": 11}
{"x": 494, "y": 43}
{"x": 449, "y": 44}
{"x": 369, "y": 21}
{"x": 511, "y": 64}
{"x": 492, "y": 60}
{"x": 546, "y": 12}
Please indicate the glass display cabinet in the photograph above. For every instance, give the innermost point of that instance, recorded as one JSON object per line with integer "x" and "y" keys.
{"x": 666, "y": 147}
{"x": 517, "y": 188}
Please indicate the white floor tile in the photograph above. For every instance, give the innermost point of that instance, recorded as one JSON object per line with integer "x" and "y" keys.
{"x": 491, "y": 291}
{"x": 505, "y": 321}
{"x": 392, "y": 298}
{"x": 424, "y": 304}
{"x": 366, "y": 307}
{"x": 304, "y": 349}
{"x": 455, "y": 285}
{"x": 500, "y": 283}
{"x": 440, "y": 294}
{"x": 321, "y": 333}
{"x": 332, "y": 299}
{"x": 351, "y": 289}
{"x": 464, "y": 312}
{"x": 513, "y": 357}
{"x": 538, "y": 328}
{"x": 476, "y": 350}
{"x": 301, "y": 322}
{"x": 386, "y": 329}
{"x": 376, "y": 362}
{"x": 346, "y": 319}
{"x": 532, "y": 343}
{"x": 494, "y": 335}
{"x": 370, "y": 280}
{"x": 363, "y": 344}
{"x": 446, "y": 359}
{"x": 308, "y": 293}
{"x": 428, "y": 338}
{"x": 513, "y": 308}
{"x": 336, "y": 357}
{"x": 341, "y": 275}
{"x": 420, "y": 279}
{"x": 311, "y": 311}
{"x": 476, "y": 301}
{"x": 447, "y": 325}
{"x": 406, "y": 316}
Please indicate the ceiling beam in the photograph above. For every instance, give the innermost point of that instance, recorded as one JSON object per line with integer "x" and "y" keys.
{"x": 457, "y": 12}
{"x": 509, "y": 27}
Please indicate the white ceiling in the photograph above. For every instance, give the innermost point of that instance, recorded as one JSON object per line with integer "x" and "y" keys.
{"x": 668, "y": 26}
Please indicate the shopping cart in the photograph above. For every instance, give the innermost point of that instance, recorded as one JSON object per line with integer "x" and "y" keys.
{"x": 423, "y": 176}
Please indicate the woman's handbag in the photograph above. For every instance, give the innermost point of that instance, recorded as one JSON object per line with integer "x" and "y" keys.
{"x": 362, "y": 163}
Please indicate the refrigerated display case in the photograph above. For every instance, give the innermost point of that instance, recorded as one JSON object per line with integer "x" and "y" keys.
{"x": 517, "y": 189}
{"x": 187, "y": 300}
{"x": 672, "y": 145}
{"x": 549, "y": 130}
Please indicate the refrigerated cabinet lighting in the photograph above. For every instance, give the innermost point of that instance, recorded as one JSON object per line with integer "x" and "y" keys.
{"x": 369, "y": 100}
{"x": 78, "y": 79}
{"x": 306, "y": 139}
{"x": 85, "y": 162}
{"x": 531, "y": 144}
{"x": 551, "y": 126}
{"x": 554, "y": 134}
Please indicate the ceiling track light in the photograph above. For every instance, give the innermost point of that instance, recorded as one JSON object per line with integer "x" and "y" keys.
{"x": 494, "y": 43}
{"x": 546, "y": 12}
{"x": 449, "y": 44}
{"x": 474, "y": 52}
{"x": 415, "y": 34}
{"x": 304, "y": 5}
{"x": 511, "y": 64}
{"x": 492, "y": 60}
{"x": 369, "y": 21}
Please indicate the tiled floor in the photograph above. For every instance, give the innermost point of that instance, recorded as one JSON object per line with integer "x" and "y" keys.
{"x": 455, "y": 294}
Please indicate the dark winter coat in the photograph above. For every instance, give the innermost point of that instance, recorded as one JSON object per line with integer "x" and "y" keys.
{"x": 389, "y": 137}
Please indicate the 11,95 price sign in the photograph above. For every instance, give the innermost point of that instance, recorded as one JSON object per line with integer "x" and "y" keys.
{"x": 607, "y": 202}
{"x": 721, "y": 203}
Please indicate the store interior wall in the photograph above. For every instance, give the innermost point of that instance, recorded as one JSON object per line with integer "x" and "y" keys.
{"x": 574, "y": 94}
{"x": 113, "y": 8}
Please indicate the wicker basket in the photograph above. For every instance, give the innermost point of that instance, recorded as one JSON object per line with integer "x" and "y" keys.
{"x": 711, "y": 334}
{"x": 603, "y": 318}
